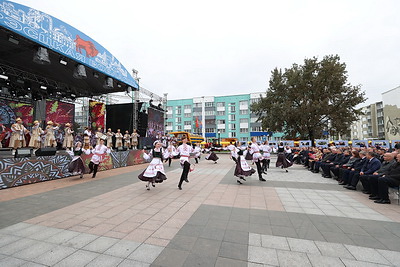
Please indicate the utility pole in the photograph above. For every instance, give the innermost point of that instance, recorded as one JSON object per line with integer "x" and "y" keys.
{"x": 135, "y": 99}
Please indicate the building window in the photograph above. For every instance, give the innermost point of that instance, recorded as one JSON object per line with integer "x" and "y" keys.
{"x": 179, "y": 110}
{"x": 244, "y": 139}
{"x": 197, "y": 105}
{"x": 197, "y": 113}
{"x": 179, "y": 127}
{"x": 221, "y": 130}
{"x": 209, "y": 112}
{"x": 233, "y": 108}
{"x": 220, "y": 113}
{"x": 220, "y": 121}
{"x": 178, "y": 120}
{"x": 232, "y": 117}
{"x": 209, "y": 104}
{"x": 232, "y": 134}
{"x": 244, "y": 130}
{"x": 169, "y": 116}
{"x": 220, "y": 104}
{"x": 187, "y": 122}
{"x": 244, "y": 112}
{"x": 253, "y": 119}
{"x": 169, "y": 109}
{"x": 187, "y": 106}
{"x": 232, "y": 126}
{"x": 243, "y": 103}
{"x": 210, "y": 130}
{"x": 169, "y": 123}
{"x": 254, "y": 100}
{"x": 256, "y": 129}
{"x": 244, "y": 120}
{"x": 188, "y": 115}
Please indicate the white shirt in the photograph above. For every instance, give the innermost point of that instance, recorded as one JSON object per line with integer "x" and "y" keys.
{"x": 99, "y": 152}
{"x": 184, "y": 150}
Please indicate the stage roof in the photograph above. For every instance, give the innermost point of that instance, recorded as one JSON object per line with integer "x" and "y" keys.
{"x": 24, "y": 31}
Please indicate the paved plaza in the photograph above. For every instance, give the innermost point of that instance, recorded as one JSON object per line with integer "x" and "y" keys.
{"x": 293, "y": 219}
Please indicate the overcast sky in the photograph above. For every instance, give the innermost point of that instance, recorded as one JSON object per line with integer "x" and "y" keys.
{"x": 210, "y": 47}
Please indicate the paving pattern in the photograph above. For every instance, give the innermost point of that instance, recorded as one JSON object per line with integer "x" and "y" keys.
{"x": 294, "y": 219}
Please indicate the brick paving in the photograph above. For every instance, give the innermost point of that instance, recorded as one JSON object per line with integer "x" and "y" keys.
{"x": 294, "y": 219}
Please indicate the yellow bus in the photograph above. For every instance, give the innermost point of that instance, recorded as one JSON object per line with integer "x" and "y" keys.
{"x": 192, "y": 138}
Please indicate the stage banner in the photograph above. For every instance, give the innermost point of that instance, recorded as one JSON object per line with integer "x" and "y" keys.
{"x": 59, "y": 112}
{"x": 155, "y": 126}
{"x": 340, "y": 143}
{"x": 305, "y": 143}
{"x": 10, "y": 110}
{"x": 321, "y": 143}
{"x": 97, "y": 114}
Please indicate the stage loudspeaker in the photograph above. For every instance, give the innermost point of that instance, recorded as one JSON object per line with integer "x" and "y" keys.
{"x": 46, "y": 151}
{"x": 23, "y": 152}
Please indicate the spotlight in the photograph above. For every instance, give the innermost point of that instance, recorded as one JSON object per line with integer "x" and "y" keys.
{"x": 96, "y": 75}
{"x": 108, "y": 83}
{"x": 2, "y": 76}
{"x": 41, "y": 56}
{"x": 119, "y": 85}
{"x": 13, "y": 40}
{"x": 80, "y": 72}
{"x": 63, "y": 61}
{"x": 129, "y": 90}
{"x": 43, "y": 87}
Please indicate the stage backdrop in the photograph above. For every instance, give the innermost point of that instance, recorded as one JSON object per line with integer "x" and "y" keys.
{"x": 155, "y": 125}
{"x": 59, "y": 112}
{"x": 97, "y": 114}
{"x": 10, "y": 110}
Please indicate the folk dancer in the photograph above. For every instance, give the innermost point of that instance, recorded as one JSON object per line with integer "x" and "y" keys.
{"x": 234, "y": 151}
{"x": 127, "y": 140}
{"x": 170, "y": 153}
{"x": 154, "y": 173}
{"x": 68, "y": 138}
{"x": 266, "y": 155}
{"x": 2, "y": 134}
{"x": 184, "y": 150}
{"x": 118, "y": 139}
{"x": 86, "y": 141}
{"x": 98, "y": 156}
{"x": 197, "y": 152}
{"x": 36, "y": 134}
{"x": 282, "y": 161}
{"x": 109, "y": 136}
{"x": 98, "y": 136}
{"x": 50, "y": 139}
{"x": 77, "y": 166}
{"x": 242, "y": 168}
{"x": 212, "y": 156}
{"x": 135, "y": 137}
{"x": 257, "y": 157}
{"x": 18, "y": 132}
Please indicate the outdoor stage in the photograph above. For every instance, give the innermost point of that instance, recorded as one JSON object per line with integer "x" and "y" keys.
{"x": 22, "y": 171}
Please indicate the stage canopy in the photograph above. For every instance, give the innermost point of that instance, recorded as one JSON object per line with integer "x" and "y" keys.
{"x": 44, "y": 57}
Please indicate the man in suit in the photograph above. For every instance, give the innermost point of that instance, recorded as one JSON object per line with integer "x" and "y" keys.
{"x": 371, "y": 166}
{"x": 347, "y": 174}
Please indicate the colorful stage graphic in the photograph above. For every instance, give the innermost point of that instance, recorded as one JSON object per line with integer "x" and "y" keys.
{"x": 97, "y": 114}
{"x": 59, "y": 112}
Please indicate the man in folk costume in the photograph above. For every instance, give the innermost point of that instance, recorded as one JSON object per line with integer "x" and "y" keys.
{"x": 118, "y": 139}
{"x": 50, "y": 140}
{"x": 197, "y": 152}
{"x": 36, "y": 134}
{"x": 99, "y": 152}
{"x": 109, "y": 135}
{"x": 98, "y": 136}
{"x": 257, "y": 157}
{"x": 135, "y": 137}
{"x": 266, "y": 155}
{"x": 154, "y": 173}
{"x": 170, "y": 153}
{"x": 18, "y": 132}
{"x": 127, "y": 140}
{"x": 184, "y": 150}
{"x": 68, "y": 137}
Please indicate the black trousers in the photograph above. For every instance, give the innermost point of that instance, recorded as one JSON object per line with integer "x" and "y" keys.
{"x": 169, "y": 161}
{"x": 259, "y": 169}
{"x": 185, "y": 172}
{"x": 383, "y": 186}
{"x": 265, "y": 164}
{"x": 93, "y": 168}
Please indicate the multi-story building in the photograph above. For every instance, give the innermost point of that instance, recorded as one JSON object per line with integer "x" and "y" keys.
{"x": 217, "y": 117}
{"x": 370, "y": 125}
{"x": 391, "y": 100}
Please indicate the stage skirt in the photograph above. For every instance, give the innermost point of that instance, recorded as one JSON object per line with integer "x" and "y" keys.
{"x": 242, "y": 168}
{"x": 76, "y": 165}
{"x": 212, "y": 156}
{"x": 283, "y": 161}
{"x": 154, "y": 172}
{"x": 248, "y": 156}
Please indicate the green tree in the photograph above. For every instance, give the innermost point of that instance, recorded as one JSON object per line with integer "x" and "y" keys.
{"x": 305, "y": 100}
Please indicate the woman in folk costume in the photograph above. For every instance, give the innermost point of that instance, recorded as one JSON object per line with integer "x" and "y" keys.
{"x": 257, "y": 157}
{"x": 282, "y": 161}
{"x": 36, "y": 133}
{"x": 135, "y": 136}
{"x": 170, "y": 153}
{"x": 197, "y": 152}
{"x": 86, "y": 141}
{"x": 68, "y": 138}
{"x": 212, "y": 156}
{"x": 154, "y": 173}
{"x": 184, "y": 150}
{"x": 118, "y": 139}
{"x": 18, "y": 132}
{"x": 249, "y": 155}
{"x": 127, "y": 140}
{"x": 109, "y": 135}
{"x": 98, "y": 156}
{"x": 98, "y": 136}
{"x": 266, "y": 155}
{"x": 242, "y": 168}
{"x": 234, "y": 151}
{"x": 50, "y": 140}
{"x": 77, "y": 166}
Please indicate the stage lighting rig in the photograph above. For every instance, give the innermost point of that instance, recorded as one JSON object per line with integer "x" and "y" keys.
{"x": 41, "y": 56}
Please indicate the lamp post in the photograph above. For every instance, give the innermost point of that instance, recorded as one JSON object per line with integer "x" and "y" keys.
{"x": 219, "y": 134}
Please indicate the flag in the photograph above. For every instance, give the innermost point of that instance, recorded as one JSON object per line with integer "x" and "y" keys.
{"x": 197, "y": 122}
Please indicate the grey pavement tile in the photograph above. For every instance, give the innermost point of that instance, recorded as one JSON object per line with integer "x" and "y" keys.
{"x": 133, "y": 263}
{"x": 171, "y": 258}
{"x": 367, "y": 241}
{"x": 62, "y": 237}
{"x": 29, "y": 230}
{"x": 216, "y": 223}
{"x": 392, "y": 256}
{"x": 191, "y": 230}
{"x": 6, "y": 239}
{"x": 337, "y": 238}
{"x": 15, "y": 228}
{"x": 224, "y": 262}
{"x": 390, "y": 243}
{"x": 32, "y": 264}
{"x": 44, "y": 235}
{"x": 79, "y": 241}
{"x": 182, "y": 242}
{"x": 328, "y": 227}
{"x": 254, "y": 240}
{"x": 33, "y": 251}
{"x": 264, "y": 229}
{"x": 262, "y": 255}
{"x": 101, "y": 244}
{"x": 233, "y": 251}
{"x": 236, "y": 237}
{"x": 367, "y": 254}
{"x": 122, "y": 248}
{"x": 79, "y": 258}
{"x": 318, "y": 260}
{"x": 352, "y": 229}
{"x": 284, "y": 231}
{"x": 333, "y": 250}
{"x": 238, "y": 226}
{"x": 276, "y": 242}
{"x": 146, "y": 253}
{"x": 199, "y": 260}
{"x": 301, "y": 245}
{"x": 54, "y": 255}
{"x": 292, "y": 258}
{"x": 17, "y": 246}
{"x": 281, "y": 221}
{"x": 310, "y": 233}
{"x": 11, "y": 261}
{"x": 259, "y": 219}
{"x": 355, "y": 263}
{"x": 213, "y": 233}
{"x": 206, "y": 247}
{"x": 105, "y": 261}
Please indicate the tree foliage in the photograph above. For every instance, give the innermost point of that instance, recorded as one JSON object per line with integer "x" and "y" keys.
{"x": 304, "y": 100}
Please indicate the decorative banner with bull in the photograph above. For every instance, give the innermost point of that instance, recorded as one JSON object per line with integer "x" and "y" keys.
{"x": 97, "y": 114}
{"x": 61, "y": 37}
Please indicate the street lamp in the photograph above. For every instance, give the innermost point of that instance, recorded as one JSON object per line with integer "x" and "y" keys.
{"x": 219, "y": 134}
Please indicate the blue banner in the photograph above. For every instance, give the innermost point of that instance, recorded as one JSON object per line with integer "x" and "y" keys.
{"x": 62, "y": 38}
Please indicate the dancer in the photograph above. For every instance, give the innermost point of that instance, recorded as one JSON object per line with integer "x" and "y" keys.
{"x": 36, "y": 139}
{"x": 170, "y": 153}
{"x": 18, "y": 132}
{"x": 282, "y": 161}
{"x": 98, "y": 156}
{"x": 127, "y": 140}
{"x": 154, "y": 173}
{"x": 196, "y": 151}
{"x": 68, "y": 138}
{"x": 242, "y": 168}
{"x": 118, "y": 139}
{"x": 109, "y": 135}
{"x": 234, "y": 151}
{"x": 257, "y": 157}
{"x": 135, "y": 136}
{"x": 212, "y": 156}
{"x": 184, "y": 150}
{"x": 266, "y": 155}
{"x": 98, "y": 136}
{"x": 76, "y": 166}
{"x": 50, "y": 139}
{"x": 86, "y": 141}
